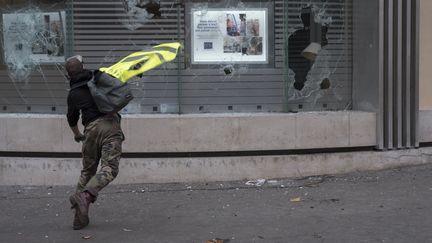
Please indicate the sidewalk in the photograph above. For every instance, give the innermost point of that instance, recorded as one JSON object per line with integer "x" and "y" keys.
{"x": 386, "y": 206}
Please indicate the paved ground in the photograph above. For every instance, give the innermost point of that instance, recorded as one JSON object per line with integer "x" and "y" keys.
{"x": 387, "y": 206}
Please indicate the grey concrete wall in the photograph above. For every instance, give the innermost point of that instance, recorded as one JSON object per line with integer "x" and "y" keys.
{"x": 200, "y": 133}
{"x": 425, "y": 55}
{"x": 425, "y": 117}
{"x": 54, "y": 171}
{"x": 161, "y": 133}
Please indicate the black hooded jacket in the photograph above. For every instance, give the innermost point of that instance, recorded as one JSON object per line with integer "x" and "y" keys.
{"x": 80, "y": 99}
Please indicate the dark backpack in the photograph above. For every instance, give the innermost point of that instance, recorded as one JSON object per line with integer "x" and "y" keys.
{"x": 109, "y": 93}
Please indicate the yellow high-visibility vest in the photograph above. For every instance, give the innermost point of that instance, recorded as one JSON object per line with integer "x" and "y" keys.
{"x": 142, "y": 61}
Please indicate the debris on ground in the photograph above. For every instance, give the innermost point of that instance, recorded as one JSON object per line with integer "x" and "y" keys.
{"x": 313, "y": 181}
{"x": 257, "y": 182}
{"x": 295, "y": 199}
{"x": 217, "y": 240}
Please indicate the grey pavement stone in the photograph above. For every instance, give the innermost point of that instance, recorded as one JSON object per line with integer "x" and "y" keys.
{"x": 385, "y": 206}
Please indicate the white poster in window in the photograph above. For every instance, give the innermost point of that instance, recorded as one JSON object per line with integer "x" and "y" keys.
{"x": 229, "y": 36}
{"x": 38, "y": 36}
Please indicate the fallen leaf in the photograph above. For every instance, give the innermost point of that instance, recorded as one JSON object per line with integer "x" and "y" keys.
{"x": 295, "y": 199}
{"x": 86, "y": 237}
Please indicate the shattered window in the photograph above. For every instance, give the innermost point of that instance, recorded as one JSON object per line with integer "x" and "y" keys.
{"x": 236, "y": 56}
{"x": 34, "y": 45}
{"x": 318, "y": 54}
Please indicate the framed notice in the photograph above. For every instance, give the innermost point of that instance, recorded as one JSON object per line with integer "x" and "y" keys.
{"x": 229, "y": 36}
{"x": 37, "y": 36}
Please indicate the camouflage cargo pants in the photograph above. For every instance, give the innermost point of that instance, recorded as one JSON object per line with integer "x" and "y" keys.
{"x": 102, "y": 145}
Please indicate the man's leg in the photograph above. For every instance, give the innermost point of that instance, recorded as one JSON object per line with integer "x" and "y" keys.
{"x": 110, "y": 157}
{"x": 107, "y": 130}
{"x": 89, "y": 170}
{"x": 90, "y": 154}
{"x": 90, "y": 161}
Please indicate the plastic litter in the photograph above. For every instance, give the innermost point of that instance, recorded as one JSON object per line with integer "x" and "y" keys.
{"x": 257, "y": 182}
{"x": 295, "y": 199}
{"x": 217, "y": 240}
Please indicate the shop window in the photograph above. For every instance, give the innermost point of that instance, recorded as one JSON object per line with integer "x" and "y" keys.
{"x": 237, "y": 56}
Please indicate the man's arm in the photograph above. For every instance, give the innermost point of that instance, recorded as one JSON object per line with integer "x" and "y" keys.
{"x": 78, "y": 136}
{"x": 73, "y": 117}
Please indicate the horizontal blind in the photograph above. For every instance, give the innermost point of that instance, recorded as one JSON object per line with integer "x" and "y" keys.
{"x": 105, "y": 31}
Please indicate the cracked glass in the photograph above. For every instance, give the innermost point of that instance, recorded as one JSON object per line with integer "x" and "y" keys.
{"x": 236, "y": 56}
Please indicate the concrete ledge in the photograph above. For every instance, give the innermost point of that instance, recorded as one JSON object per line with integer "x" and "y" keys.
{"x": 55, "y": 171}
{"x": 200, "y": 132}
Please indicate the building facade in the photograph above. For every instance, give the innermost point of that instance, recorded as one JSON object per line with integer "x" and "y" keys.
{"x": 251, "y": 76}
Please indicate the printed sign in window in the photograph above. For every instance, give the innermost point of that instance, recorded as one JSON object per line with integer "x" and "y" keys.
{"x": 226, "y": 35}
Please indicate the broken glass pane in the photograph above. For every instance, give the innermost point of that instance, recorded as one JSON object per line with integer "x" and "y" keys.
{"x": 237, "y": 56}
{"x": 319, "y": 61}
{"x": 32, "y": 37}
